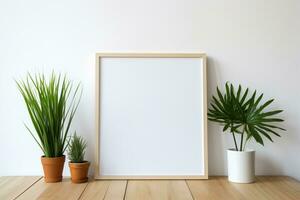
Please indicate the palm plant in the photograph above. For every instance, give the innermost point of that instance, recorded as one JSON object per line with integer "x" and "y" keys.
{"x": 51, "y": 108}
{"x": 77, "y": 149}
{"x": 244, "y": 115}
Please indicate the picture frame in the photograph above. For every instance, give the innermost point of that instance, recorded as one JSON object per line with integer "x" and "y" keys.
{"x": 135, "y": 58}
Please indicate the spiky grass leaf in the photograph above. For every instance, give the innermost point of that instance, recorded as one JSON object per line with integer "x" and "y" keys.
{"x": 47, "y": 105}
{"x": 76, "y": 150}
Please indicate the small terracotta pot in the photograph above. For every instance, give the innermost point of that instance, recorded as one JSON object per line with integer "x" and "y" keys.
{"x": 79, "y": 171}
{"x": 53, "y": 168}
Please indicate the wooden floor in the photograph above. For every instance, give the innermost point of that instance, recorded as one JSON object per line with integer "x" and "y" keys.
{"x": 216, "y": 188}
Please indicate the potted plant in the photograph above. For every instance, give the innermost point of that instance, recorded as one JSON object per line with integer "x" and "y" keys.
{"x": 244, "y": 117}
{"x": 51, "y": 116}
{"x": 78, "y": 166}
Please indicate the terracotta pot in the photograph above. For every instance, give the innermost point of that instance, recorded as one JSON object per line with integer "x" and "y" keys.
{"x": 53, "y": 168}
{"x": 79, "y": 171}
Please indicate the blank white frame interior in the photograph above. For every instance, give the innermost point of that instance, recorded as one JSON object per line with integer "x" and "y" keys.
{"x": 151, "y": 116}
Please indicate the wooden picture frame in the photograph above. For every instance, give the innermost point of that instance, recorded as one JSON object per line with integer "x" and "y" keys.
{"x": 97, "y": 164}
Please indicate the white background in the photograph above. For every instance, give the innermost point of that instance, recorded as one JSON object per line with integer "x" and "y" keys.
{"x": 252, "y": 42}
{"x": 151, "y": 116}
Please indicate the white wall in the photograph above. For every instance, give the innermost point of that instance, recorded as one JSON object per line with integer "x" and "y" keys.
{"x": 252, "y": 42}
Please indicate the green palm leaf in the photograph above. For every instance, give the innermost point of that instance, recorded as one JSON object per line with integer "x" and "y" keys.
{"x": 244, "y": 115}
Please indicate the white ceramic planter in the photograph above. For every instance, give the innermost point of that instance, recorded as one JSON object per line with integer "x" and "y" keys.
{"x": 241, "y": 166}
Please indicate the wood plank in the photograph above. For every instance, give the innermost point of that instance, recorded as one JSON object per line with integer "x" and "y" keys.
{"x": 107, "y": 190}
{"x": 160, "y": 190}
{"x": 95, "y": 190}
{"x": 212, "y": 189}
{"x": 12, "y": 187}
{"x": 247, "y": 191}
{"x": 116, "y": 190}
{"x": 280, "y": 187}
{"x": 54, "y": 191}
{"x": 291, "y": 182}
{"x": 267, "y": 188}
